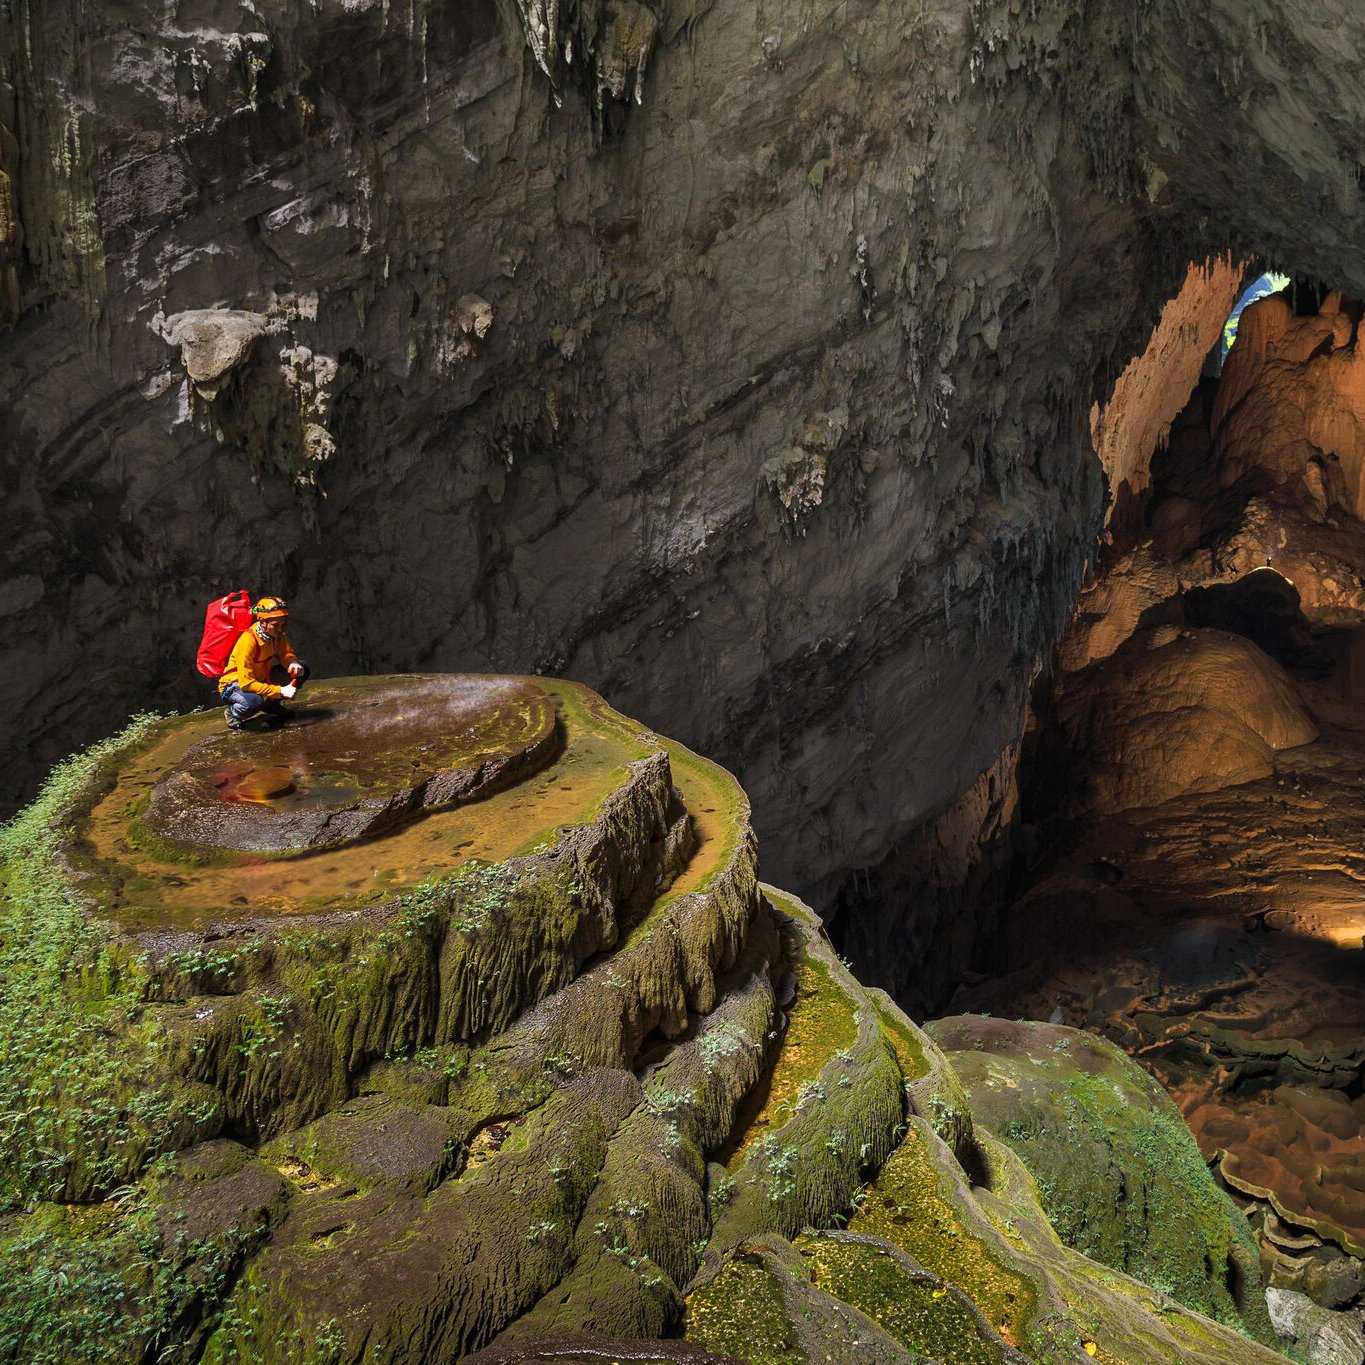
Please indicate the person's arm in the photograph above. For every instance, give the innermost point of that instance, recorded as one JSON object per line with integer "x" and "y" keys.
{"x": 243, "y": 667}
{"x": 287, "y": 656}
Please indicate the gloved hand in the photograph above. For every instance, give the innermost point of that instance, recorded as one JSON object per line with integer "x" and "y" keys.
{"x": 288, "y": 690}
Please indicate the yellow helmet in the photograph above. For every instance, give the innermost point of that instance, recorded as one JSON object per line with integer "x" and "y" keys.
{"x": 270, "y": 609}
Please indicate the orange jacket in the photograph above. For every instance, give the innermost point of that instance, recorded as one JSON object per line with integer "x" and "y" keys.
{"x": 251, "y": 660}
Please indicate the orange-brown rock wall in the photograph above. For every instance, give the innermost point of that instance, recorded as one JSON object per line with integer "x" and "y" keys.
{"x": 1156, "y": 385}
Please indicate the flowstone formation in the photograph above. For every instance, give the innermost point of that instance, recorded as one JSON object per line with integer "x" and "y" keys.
{"x": 357, "y": 760}
{"x": 542, "y": 1075}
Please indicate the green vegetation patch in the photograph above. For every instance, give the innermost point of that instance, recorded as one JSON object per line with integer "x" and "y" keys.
{"x": 1119, "y": 1173}
{"x": 909, "y": 1050}
{"x": 92, "y": 1284}
{"x": 820, "y": 1024}
{"x": 918, "y": 1311}
{"x": 84, "y": 1098}
{"x": 907, "y": 1207}
{"x": 741, "y": 1313}
{"x": 138, "y": 1276}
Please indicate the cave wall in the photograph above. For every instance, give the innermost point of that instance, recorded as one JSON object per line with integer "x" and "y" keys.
{"x": 1154, "y": 387}
{"x": 740, "y": 367}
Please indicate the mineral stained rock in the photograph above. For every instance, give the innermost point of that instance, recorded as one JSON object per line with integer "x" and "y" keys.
{"x": 1203, "y": 905}
{"x": 353, "y": 760}
{"x": 586, "y": 1082}
{"x": 1176, "y": 712}
{"x": 1291, "y": 403}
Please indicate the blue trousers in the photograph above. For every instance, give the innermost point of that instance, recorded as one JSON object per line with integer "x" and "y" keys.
{"x": 243, "y": 706}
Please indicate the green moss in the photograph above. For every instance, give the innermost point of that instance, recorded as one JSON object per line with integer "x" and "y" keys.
{"x": 919, "y": 1312}
{"x": 909, "y": 1050}
{"x": 247, "y": 1335}
{"x": 741, "y": 1313}
{"x": 146, "y": 883}
{"x": 81, "y": 1079}
{"x": 1119, "y": 1173}
{"x": 907, "y": 1207}
{"x": 103, "y": 1284}
{"x": 719, "y": 811}
{"x": 820, "y": 1023}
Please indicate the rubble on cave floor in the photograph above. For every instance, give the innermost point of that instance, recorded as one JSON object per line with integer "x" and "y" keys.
{"x": 538, "y": 1072}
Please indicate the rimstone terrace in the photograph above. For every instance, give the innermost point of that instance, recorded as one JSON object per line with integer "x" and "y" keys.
{"x": 452, "y": 1020}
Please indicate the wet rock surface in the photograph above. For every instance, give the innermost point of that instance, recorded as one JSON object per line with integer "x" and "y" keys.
{"x": 355, "y": 758}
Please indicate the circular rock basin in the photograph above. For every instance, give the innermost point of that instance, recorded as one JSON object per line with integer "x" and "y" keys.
{"x": 258, "y": 784}
{"x": 355, "y": 758}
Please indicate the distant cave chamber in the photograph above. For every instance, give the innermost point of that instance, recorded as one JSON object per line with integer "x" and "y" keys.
{"x": 1170, "y": 857}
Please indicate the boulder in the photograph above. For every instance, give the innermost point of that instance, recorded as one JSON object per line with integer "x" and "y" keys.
{"x": 213, "y": 343}
{"x": 1324, "y": 1337}
{"x": 1167, "y": 716}
{"x": 1121, "y": 1177}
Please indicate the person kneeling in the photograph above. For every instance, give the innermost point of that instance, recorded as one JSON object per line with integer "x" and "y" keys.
{"x": 245, "y": 687}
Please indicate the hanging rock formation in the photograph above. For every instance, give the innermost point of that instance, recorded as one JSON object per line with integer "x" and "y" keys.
{"x": 701, "y": 230}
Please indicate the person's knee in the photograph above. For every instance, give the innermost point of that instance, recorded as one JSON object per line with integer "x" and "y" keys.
{"x": 242, "y": 703}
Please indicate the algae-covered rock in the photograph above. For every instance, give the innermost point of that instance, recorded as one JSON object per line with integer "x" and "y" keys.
{"x": 1120, "y": 1174}
{"x": 541, "y": 1075}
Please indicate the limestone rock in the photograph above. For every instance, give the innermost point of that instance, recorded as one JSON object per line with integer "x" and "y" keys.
{"x": 1120, "y": 1174}
{"x": 1325, "y": 1338}
{"x": 370, "y": 756}
{"x": 213, "y": 343}
{"x": 1153, "y": 389}
{"x": 1295, "y": 1149}
{"x": 559, "y": 1074}
{"x": 719, "y": 263}
{"x": 1292, "y": 403}
{"x": 1204, "y": 711}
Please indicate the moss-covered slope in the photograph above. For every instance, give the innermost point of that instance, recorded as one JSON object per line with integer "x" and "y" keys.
{"x": 554, "y": 1065}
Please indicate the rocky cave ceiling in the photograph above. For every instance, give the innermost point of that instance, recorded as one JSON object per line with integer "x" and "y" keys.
{"x": 739, "y": 360}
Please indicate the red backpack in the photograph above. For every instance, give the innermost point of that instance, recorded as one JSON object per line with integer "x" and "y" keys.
{"x": 224, "y": 621}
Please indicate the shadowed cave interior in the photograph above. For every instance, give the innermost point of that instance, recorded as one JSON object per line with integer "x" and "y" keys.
{"x": 1179, "y": 867}
{"x": 899, "y": 405}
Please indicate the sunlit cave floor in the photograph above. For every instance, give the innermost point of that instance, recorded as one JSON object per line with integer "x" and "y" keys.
{"x": 1218, "y": 938}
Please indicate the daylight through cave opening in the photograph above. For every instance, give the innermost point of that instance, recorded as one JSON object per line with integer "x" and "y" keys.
{"x": 1184, "y": 877}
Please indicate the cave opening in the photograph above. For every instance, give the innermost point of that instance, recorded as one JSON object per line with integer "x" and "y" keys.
{"x": 1266, "y": 283}
{"x": 1170, "y": 856}
{"x": 1188, "y": 881}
